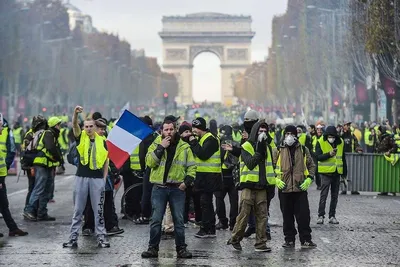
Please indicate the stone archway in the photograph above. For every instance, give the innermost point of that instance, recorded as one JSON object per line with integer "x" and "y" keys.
{"x": 227, "y": 36}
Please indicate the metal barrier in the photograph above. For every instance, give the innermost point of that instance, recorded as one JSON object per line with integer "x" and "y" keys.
{"x": 372, "y": 173}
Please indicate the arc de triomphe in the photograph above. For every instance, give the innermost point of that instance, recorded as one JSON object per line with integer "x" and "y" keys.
{"x": 185, "y": 37}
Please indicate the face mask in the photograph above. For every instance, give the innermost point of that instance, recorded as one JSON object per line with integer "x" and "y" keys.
{"x": 248, "y": 125}
{"x": 289, "y": 140}
{"x": 331, "y": 140}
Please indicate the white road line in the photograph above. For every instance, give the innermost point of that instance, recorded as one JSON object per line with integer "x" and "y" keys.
{"x": 26, "y": 190}
{"x": 325, "y": 240}
{"x": 397, "y": 201}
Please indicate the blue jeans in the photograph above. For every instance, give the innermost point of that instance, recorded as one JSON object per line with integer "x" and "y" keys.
{"x": 42, "y": 191}
{"x": 176, "y": 199}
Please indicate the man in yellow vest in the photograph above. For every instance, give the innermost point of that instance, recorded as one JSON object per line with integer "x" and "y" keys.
{"x": 90, "y": 179}
{"x": 173, "y": 169}
{"x": 295, "y": 170}
{"x": 47, "y": 159}
{"x": 331, "y": 165}
{"x": 6, "y": 147}
{"x": 18, "y": 134}
{"x": 208, "y": 177}
{"x": 256, "y": 172}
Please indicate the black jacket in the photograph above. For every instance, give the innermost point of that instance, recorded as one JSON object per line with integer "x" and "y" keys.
{"x": 206, "y": 182}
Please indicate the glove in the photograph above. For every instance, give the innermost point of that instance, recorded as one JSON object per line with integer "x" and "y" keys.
{"x": 279, "y": 183}
{"x": 306, "y": 184}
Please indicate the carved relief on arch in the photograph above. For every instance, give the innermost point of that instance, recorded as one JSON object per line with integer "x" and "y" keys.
{"x": 237, "y": 54}
{"x": 218, "y": 50}
{"x": 176, "y": 54}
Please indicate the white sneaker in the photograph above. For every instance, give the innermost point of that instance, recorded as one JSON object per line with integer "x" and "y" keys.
{"x": 333, "y": 220}
{"x": 320, "y": 220}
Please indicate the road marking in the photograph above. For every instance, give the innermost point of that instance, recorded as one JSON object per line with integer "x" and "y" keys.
{"x": 397, "y": 201}
{"x": 325, "y": 240}
{"x": 26, "y": 190}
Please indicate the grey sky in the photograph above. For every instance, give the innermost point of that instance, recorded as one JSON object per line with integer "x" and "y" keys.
{"x": 139, "y": 21}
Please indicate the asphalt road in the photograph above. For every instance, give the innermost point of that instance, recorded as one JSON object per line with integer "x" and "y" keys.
{"x": 368, "y": 235}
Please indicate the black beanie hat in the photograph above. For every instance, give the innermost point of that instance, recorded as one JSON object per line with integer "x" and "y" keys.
{"x": 291, "y": 129}
{"x": 184, "y": 127}
{"x": 200, "y": 124}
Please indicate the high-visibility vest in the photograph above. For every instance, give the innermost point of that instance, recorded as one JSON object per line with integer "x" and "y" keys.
{"x": 44, "y": 158}
{"x": 17, "y": 135}
{"x": 367, "y": 134}
{"x": 237, "y": 136}
{"x": 397, "y": 136}
{"x": 253, "y": 176}
{"x": 278, "y": 169}
{"x": 3, "y": 152}
{"x": 334, "y": 163}
{"x": 62, "y": 139}
{"x": 315, "y": 141}
{"x": 135, "y": 160}
{"x": 97, "y": 160}
{"x": 213, "y": 164}
{"x": 302, "y": 139}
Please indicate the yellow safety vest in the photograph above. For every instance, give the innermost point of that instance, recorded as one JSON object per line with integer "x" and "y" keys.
{"x": 44, "y": 158}
{"x": 97, "y": 160}
{"x": 334, "y": 163}
{"x": 302, "y": 139}
{"x": 253, "y": 176}
{"x": 278, "y": 169}
{"x": 397, "y": 142}
{"x": 62, "y": 139}
{"x": 237, "y": 136}
{"x": 367, "y": 134}
{"x": 135, "y": 160}
{"x": 183, "y": 164}
{"x": 17, "y": 135}
{"x": 3, "y": 152}
{"x": 213, "y": 164}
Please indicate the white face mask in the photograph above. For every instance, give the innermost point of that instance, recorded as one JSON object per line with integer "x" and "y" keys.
{"x": 331, "y": 140}
{"x": 289, "y": 140}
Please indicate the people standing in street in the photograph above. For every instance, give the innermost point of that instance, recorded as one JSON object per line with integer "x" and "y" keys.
{"x": 256, "y": 170}
{"x": 90, "y": 179}
{"x": 47, "y": 159}
{"x": 208, "y": 180}
{"x": 331, "y": 166}
{"x": 7, "y": 150}
{"x": 295, "y": 170}
{"x": 173, "y": 169}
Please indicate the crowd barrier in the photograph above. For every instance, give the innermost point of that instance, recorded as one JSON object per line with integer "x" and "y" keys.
{"x": 372, "y": 173}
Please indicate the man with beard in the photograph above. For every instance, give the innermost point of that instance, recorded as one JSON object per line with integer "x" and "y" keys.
{"x": 173, "y": 168}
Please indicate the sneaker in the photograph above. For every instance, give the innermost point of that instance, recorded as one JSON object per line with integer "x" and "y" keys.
{"x": 355, "y": 192}
{"x": 183, "y": 253}
{"x": 115, "y": 231}
{"x": 308, "y": 244}
{"x": 268, "y": 236}
{"x": 264, "y": 248}
{"x": 212, "y": 234}
{"x": 201, "y": 234}
{"x": 150, "y": 253}
{"x": 87, "y": 232}
{"x": 320, "y": 220}
{"x": 46, "y": 218}
{"x": 288, "y": 244}
{"x": 102, "y": 243}
{"x": 236, "y": 245}
{"x": 72, "y": 243}
{"x": 17, "y": 232}
{"x": 343, "y": 193}
{"x": 249, "y": 232}
{"x": 1, "y": 215}
{"x": 29, "y": 216}
{"x": 221, "y": 226}
{"x": 333, "y": 220}
{"x": 231, "y": 228}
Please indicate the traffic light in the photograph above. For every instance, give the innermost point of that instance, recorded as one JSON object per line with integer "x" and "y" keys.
{"x": 165, "y": 98}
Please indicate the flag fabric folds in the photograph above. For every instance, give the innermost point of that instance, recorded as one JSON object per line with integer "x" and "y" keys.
{"x": 125, "y": 136}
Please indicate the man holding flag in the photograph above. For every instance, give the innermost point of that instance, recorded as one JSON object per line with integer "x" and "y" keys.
{"x": 173, "y": 169}
{"x": 90, "y": 179}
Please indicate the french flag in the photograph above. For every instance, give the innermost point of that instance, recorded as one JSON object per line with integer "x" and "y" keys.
{"x": 125, "y": 136}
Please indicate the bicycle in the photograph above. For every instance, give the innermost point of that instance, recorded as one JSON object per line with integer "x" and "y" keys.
{"x": 125, "y": 194}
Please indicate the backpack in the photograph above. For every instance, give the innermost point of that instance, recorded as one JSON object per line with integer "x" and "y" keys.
{"x": 30, "y": 152}
{"x": 73, "y": 156}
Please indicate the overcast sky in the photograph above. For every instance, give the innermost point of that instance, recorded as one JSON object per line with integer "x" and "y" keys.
{"x": 139, "y": 21}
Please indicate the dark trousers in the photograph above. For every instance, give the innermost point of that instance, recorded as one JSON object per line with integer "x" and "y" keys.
{"x": 233, "y": 195}
{"x": 332, "y": 181}
{"x": 110, "y": 216}
{"x": 4, "y": 206}
{"x": 133, "y": 198}
{"x": 176, "y": 199}
{"x": 295, "y": 206}
{"x": 195, "y": 197}
{"x": 146, "y": 196}
{"x": 208, "y": 215}
{"x": 317, "y": 176}
{"x": 31, "y": 184}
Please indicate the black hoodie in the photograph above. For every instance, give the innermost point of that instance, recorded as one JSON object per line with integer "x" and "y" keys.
{"x": 258, "y": 159}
